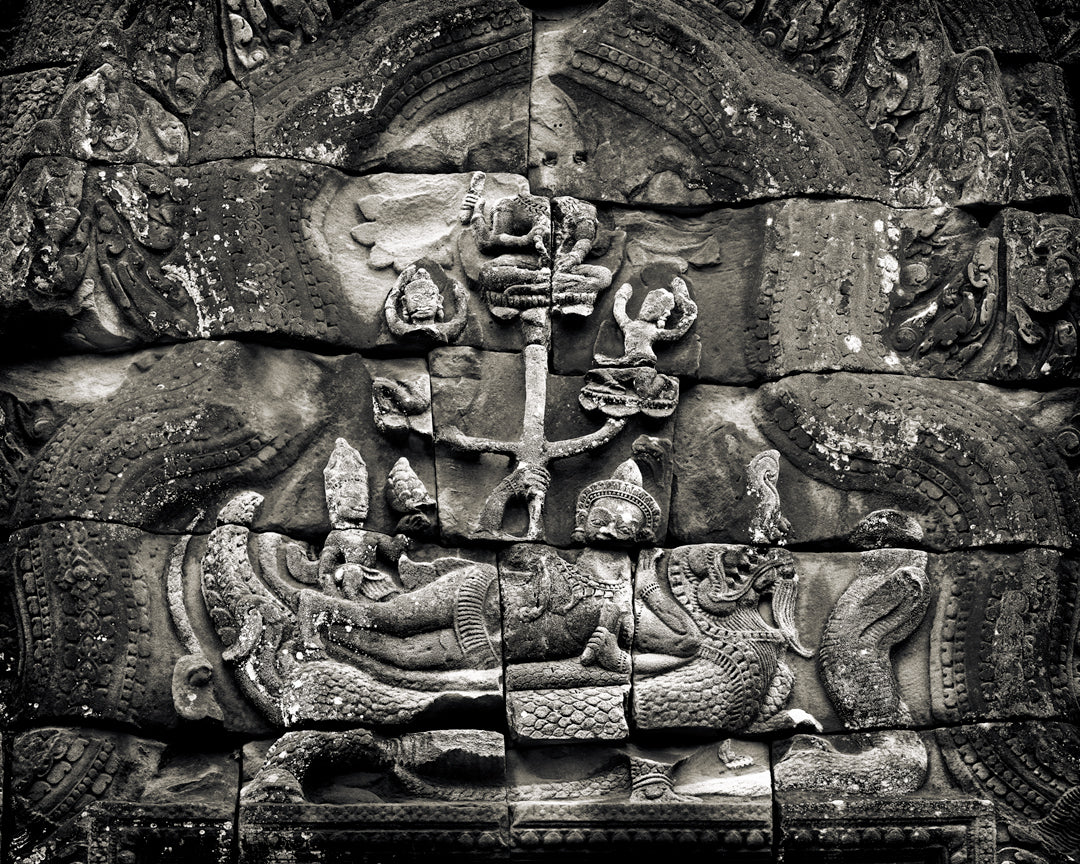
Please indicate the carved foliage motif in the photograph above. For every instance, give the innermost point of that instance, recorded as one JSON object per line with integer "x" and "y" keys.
{"x": 109, "y": 112}
{"x": 949, "y": 126}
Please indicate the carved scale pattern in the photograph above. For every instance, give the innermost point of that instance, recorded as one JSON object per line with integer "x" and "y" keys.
{"x": 86, "y": 627}
{"x": 1024, "y": 767}
{"x": 790, "y": 325}
{"x": 660, "y": 63}
{"x": 273, "y": 278}
{"x": 974, "y": 475}
{"x": 140, "y": 451}
{"x": 478, "y": 49}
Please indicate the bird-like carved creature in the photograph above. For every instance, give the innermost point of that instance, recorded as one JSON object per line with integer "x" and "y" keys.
{"x": 705, "y": 656}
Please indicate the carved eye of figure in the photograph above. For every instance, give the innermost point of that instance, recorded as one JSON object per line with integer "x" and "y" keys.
{"x": 614, "y": 520}
{"x": 599, "y": 517}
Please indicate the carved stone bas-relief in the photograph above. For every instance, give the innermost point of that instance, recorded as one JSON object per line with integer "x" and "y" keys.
{"x": 512, "y": 431}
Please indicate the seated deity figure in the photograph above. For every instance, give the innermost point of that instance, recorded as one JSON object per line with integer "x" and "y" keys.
{"x": 414, "y": 307}
{"x": 650, "y": 327}
{"x": 346, "y": 566}
{"x": 517, "y": 231}
{"x": 575, "y": 284}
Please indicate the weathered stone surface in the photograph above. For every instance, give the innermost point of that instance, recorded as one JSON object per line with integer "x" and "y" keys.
{"x": 958, "y": 457}
{"x": 266, "y": 420}
{"x": 351, "y": 768}
{"x": 154, "y": 638}
{"x": 62, "y": 776}
{"x": 1060, "y": 25}
{"x": 1010, "y": 27}
{"x": 127, "y": 256}
{"x": 222, "y": 126}
{"x": 25, "y": 98}
{"x": 887, "y": 765}
{"x": 924, "y": 126}
{"x": 173, "y": 51}
{"x": 568, "y": 626}
{"x": 885, "y": 604}
{"x": 901, "y": 672}
{"x": 96, "y": 642}
{"x": 805, "y": 285}
{"x": 594, "y": 772}
{"x": 704, "y": 657}
{"x": 57, "y": 34}
{"x": 377, "y": 226}
{"x": 700, "y": 655}
{"x": 657, "y": 79}
{"x": 409, "y": 87}
{"x": 1029, "y": 771}
{"x": 481, "y": 394}
{"x": 357, "y": 832}
{"x": 119, "y": 832}
{"x": 999, "y": 647}
{"x": 671, "y": 828}
{"x": 792, "y": 278}
{"x": 890, "y": 830}
{"x": 135, "y": 255}
{"x": 106, "y": 115}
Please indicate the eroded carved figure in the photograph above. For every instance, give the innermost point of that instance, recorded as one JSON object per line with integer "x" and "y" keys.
{"x": 574, "y": 283}
{"x": 415, "y": 307}
{"x": 642, "y": 333}
{"x": 569, "y": 625}
{"x": 336, "y": 639}
{"x": 517, "y": 231}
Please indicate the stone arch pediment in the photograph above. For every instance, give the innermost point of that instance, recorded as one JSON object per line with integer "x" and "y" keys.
{"x": 352, "y": 94}
{"x": 724, "y": 120}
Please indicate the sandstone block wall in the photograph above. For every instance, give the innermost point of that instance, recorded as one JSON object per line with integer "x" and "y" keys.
{"x": 505, "y": 432}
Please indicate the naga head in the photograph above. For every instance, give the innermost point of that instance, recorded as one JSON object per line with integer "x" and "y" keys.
{"x": 740, "y": 578}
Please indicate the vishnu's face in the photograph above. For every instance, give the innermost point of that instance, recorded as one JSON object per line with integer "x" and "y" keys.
{"x": 420, "y": 299}
{"x": 614, "y": 520}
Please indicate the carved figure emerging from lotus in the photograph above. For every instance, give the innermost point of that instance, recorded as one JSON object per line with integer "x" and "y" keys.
{"x": 414, "y": 307}
{"x": 517, "y": 230}
{"x": 575, "y": 284}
